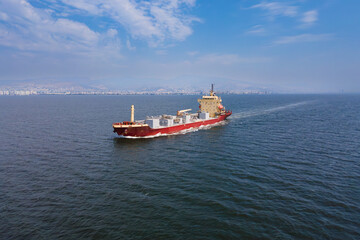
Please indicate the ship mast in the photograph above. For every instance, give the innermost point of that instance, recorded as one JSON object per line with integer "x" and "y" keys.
{"x": 132, "y": 113}
{"x": 212, "y": 90}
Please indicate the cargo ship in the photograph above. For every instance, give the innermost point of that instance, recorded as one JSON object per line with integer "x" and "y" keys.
{"x": 211, "y": 111}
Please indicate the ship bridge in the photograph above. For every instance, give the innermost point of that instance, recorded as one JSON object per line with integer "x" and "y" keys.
{"x": 211, "y": 104}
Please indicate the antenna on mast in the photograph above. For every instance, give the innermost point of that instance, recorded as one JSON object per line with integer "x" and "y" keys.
{"x": 212, "y": 90}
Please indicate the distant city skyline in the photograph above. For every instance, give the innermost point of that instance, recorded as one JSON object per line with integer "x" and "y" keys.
{"x": 63, "y": 88}
{"x": 297, "y": 46}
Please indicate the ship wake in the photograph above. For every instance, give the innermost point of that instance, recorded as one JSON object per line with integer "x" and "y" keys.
{"x": 259, "y": 112}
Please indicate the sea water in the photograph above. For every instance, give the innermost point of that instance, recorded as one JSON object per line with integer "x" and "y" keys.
{"x": 281, "y": 167}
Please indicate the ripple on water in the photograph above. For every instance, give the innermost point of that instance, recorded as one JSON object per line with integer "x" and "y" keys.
{"x": 283, "y": 166}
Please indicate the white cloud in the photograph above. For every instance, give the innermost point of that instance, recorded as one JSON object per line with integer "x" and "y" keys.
{"x": 30, "y": 28}
{"x": 154, "y": 21}
{"x": 278, "y": 8}
{"x": 281, "y": 9}
{"x": 112, "y": 32}
{"x": 303, "y": 38}
{"x": 25, "y": 27}
{"x": 256, "y": 30}
{"x": 310, "y": 17}
{"x": 227, "y": 59}
{"x": 89, "y": 6}
{"x": 169, "y": 23}
{"x": 131, "y": 17}
{"x": 3, "y": 16}
{"x": 129, "y": 45}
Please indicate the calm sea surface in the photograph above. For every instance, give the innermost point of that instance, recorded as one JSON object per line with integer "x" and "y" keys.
{"x": 282, "y": 167}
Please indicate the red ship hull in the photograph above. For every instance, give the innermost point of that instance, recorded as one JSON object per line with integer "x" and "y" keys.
{"x": 145, "y": 131}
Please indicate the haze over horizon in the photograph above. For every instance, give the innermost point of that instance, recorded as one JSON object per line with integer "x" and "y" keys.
{"x": 297, "y": 46}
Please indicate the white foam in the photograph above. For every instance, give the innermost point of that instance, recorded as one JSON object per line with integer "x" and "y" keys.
{"x": 185, "y": 131}
{"x": 266, "y": 111}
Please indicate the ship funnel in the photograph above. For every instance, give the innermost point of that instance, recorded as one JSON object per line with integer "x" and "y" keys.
{"x": 132, "y": 113}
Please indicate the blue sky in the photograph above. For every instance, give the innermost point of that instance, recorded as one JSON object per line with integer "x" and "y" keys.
{"x": 284, "y": 46}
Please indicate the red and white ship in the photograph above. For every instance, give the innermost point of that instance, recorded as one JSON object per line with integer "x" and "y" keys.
{"x": 211, "y": 111}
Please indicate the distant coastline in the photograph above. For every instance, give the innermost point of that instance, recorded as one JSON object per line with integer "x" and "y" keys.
{"x": 91, "y": 92}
